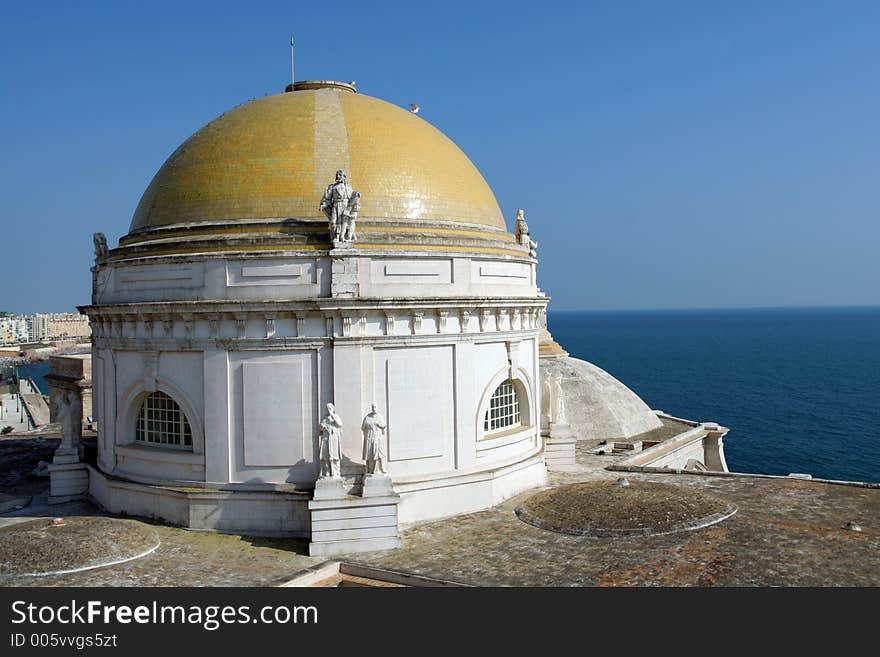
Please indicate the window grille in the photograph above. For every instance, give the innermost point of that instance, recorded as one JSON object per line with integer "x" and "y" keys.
{"x": 503, "y": 408}
{"x": 161, "y": 422}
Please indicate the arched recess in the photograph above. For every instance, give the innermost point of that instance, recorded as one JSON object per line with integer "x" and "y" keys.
{"x": 522, "y": 385}
{"x": 132, "y": 404}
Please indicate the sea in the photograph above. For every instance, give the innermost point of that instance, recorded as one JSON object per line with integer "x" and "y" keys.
{"x": 799, "y": 388}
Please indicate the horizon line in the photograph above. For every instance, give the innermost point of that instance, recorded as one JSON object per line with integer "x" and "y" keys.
{"x": 719, "y": 308}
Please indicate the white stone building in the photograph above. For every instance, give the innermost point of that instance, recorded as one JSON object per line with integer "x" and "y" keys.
{"x": 324, "y": 247}
{"x": 227, "y": 319}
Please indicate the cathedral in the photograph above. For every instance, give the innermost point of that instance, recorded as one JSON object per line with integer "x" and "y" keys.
{"x": 318, "y": 324}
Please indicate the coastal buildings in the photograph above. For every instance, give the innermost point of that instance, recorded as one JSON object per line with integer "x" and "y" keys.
{"x": 39, "y": 327}
{"x": 66, "y": 326}
{"x": 14, "y": 329}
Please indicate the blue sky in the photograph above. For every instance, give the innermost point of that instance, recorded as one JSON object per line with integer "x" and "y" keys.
{"x": 667, "y": 154}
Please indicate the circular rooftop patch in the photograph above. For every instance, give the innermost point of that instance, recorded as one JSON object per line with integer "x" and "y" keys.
{"x": 606, "y": 509}
{"x": 40, "y": 547}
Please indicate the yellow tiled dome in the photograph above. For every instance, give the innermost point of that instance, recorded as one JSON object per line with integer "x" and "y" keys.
{"x": 272, "y": 159}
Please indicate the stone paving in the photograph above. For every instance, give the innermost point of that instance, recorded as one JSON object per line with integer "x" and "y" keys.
{"x": 183, "y": 558}
{"x": 787, "y": 532}
{"x": 47, "y": 545}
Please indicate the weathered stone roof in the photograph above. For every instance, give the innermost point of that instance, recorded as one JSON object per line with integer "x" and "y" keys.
{"x": 786, "y": 532}
{"x": 598, "y": 405}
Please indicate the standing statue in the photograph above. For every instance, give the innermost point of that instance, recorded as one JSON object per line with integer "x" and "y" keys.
{"x": 522, "y": 234}
{"x": 558, "y": 402}
{"x": 349, "y": 217}
{"x": 329, "y": 439}
{"x": 522, "y": 228}
{"x": 100, "y": 241}
{"x": 547, "y": 398}
{"x": 335, "y": 203}
{"x": 70, "y": 418}
{"x": 373, "y": 427}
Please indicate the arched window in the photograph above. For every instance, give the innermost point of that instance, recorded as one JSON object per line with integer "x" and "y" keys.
{"x": 161, "y": 422}
{"x": 503, "y": 411}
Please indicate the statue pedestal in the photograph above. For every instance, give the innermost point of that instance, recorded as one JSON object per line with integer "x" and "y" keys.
{"x": 354, "y": 524}
{"x": 68, "y": 476}
{"x": 344, "y": 276}
{"x": 68, "y": 482}
{"x": 545, "y": 425}
{"x": 329, "y": 488}
{"x": 377, "y": 485}
{"x": 559, "y": 448}
{"x": 66, "y": 455}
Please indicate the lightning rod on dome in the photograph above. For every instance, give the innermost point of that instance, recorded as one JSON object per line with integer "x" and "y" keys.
{"x": 292, "y": 79}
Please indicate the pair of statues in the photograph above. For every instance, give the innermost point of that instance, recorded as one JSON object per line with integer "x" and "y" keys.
{"x": 330, "y": 451}
{"x": 553, "y": 400}
{"x": 341, "y": 204}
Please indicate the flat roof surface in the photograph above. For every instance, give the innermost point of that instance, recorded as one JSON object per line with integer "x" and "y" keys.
{"x": 786, "y": 532}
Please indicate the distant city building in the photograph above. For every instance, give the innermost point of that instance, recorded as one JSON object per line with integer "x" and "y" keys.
{"x": 68, "y": 325}
{"x": 39, "y": 327}
{"x": 15, "y": 329}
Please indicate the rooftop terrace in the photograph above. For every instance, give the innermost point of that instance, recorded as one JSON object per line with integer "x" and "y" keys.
{"x": 786, "y": 532}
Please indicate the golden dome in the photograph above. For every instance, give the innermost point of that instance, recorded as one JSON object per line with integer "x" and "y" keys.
{"x": 272, "y": 159}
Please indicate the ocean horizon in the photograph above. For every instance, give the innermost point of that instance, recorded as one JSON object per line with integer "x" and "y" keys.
{"x": 799, "y": 388}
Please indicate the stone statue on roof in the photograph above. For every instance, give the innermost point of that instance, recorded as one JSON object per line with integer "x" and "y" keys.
{"x": 101, "y": 249}
{"x": 373, "y": 428}
{"x": 522, "y": 234}
{"x": 340, "y": 205}
{"x": 329, "y": 449}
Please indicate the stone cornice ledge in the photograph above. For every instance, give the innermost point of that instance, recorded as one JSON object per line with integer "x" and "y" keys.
{"x": 316, "y": 305}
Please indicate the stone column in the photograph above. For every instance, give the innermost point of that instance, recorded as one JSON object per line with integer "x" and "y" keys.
{"x": 713, "y": 447}
{"x": 69, "y": 475}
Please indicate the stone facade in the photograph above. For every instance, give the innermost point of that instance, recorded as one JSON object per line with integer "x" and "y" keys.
{"x": 231, "y": 317}
{"x": 269, "y": 365}
{"x": 251, "y": 327}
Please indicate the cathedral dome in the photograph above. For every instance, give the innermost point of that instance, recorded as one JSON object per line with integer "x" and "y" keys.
{"x": 272, "y": 158}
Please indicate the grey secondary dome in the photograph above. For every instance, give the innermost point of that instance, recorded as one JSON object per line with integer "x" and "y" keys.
{"x": 598, "y": 405}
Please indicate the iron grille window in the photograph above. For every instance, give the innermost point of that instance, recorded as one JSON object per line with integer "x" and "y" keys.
{"x": 162, "y": 422}
{"x": 503, "y": 408}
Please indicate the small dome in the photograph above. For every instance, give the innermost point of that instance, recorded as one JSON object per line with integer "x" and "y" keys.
{"x": 272, "y": 159}
{"x": 599, "y": 406}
